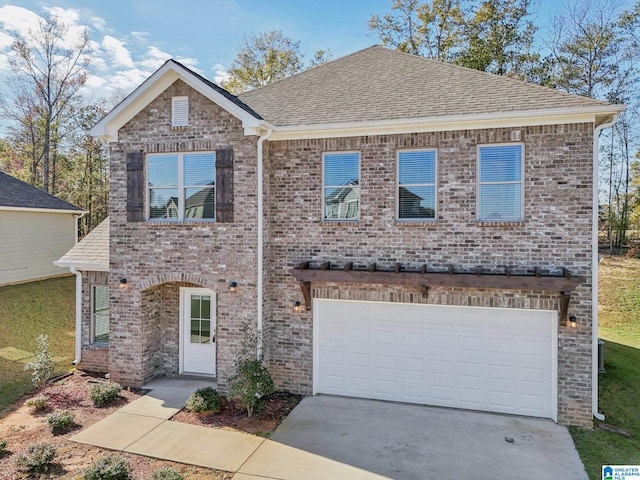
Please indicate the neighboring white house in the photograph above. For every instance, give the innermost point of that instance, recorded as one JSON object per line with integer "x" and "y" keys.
{"x": 35, "y": 229}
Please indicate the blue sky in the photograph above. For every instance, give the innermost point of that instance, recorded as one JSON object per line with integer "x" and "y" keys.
{"x": 131, "y": 38}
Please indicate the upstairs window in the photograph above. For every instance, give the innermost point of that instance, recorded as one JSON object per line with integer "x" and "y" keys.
{"x": 500, "y": 185}
{"x": 181, "y": 186}
{"x": 416, "y": 185}
{"x": 179, "y": 111}
{"x": 100, "y": 314}
{"x": 341, "y": 186}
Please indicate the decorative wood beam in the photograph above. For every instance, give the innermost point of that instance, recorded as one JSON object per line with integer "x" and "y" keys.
{"x": 564, "y": 307}
{"x": 306, "y": 294}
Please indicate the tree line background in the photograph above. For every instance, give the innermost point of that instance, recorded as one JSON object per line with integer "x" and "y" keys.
{"x": 589, "y": 48}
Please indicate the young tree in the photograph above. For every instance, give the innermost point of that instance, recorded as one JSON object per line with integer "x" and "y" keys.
{"x": 50, "y": 69}
{"x": 263, "y": 59}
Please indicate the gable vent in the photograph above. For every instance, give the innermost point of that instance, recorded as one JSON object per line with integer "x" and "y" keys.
{"x": 179, "y": 111}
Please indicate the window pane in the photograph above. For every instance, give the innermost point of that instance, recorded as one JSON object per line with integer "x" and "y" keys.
{"x": 417, "y": 167}
{"x": 199, "y": 169}
{"x": 163, "y": 203}
{"x": 341, "y": 169}
{"x": 100, "y": 314}
{"x": 163, "y": 170}
{"x": 501, "y": 164}
{"x": 195, "y": 306}
{"x": 500, "y": 202}
{"x": 417, "y": 202}
{"x": 341, "y": 203}
{"x": 206, "y": 307}
{"x": 195, "y": 331}
{"x": 100, "y": 298}
{"x": 200, "y": 203}
{"x": 205, "y": 333}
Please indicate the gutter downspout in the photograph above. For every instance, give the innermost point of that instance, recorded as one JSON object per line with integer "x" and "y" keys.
{"x": 78, "y": 275}
{"x": 260, "y": 293}
{"x": 609, "y": 122}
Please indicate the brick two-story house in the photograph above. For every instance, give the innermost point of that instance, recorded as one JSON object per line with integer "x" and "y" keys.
{"x": 400, "y": 228}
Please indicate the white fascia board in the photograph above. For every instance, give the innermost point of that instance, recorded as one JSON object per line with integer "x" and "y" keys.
{"x": 41, "y": 210}
{"x": 448, "y": 123}
{"x": 151, "y": 88}
{"x": 84, "y": 266}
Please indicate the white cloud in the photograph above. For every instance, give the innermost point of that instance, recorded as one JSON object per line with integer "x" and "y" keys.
{"x": 221, "y": 74}
{"x": 94, "y": 82}
{"x": 117, "y": 51}
{"x": 18, "y": 19}
{"x": 5, "y": 41}
{"x": 99, "y": 23}
{"x": 140, "y": 36}
{"x": 69, "y": 16}
{"x": 127, "y": 80}
{"x": 4, "y": 63}
{"x": 154, "y": 58}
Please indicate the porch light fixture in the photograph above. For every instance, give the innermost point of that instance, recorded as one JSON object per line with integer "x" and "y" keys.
{"x": 233, "y": 286}
{"x": 297, "y": 307}
{"x": 123, "y": 283}
{"x": 573, "y": 321}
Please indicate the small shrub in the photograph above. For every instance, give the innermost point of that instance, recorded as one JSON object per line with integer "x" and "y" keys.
{"x": 37, "y": 459}
{"x": 38, "y": 403}
{"x": 203, "y": 400}
{"x": 61, "y": 422}
{"x": 3, "y": 447}
{"x": 111, "y": 467}
{"x": 41, "y": 366}
{"x": 104, "y": 393}
{"x": 251, "y": 383}
{"x": 167, "y": 473}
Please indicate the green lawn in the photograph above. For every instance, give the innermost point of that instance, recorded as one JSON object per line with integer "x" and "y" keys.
{"x": 27, "y": 310}
{"x": 619, "y": 318}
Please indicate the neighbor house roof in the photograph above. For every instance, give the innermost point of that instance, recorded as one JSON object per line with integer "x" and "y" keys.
{"x": 381, "y": 85}
{"x": 91, "y": 253}
{"x": 16, "y": 194}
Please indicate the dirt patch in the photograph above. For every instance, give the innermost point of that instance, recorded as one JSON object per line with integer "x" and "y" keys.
{"x": 21, "y": 428}
{"x": 233, "y": 415}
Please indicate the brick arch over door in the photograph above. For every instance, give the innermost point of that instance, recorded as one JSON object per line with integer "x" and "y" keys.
{"x": 182, "y": 277}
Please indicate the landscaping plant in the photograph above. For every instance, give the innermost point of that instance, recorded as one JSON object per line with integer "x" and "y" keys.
{"x": 204, "y": 400}
{"x": 37, "y": 459}
{"x": 38, "y": 403}
{"x": 41, "y": 366}
{"x": 103, "y": 394}
{"x": 111, "y": 467}
{"x": 61, "y": 422}
{"x": 167, "y": 473}
{"x": 251, "y": 383}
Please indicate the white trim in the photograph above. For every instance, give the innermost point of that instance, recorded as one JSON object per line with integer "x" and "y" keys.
{"x": 397, "y": 187}
{"x": 324, "y": 211}
{"x": 184, "y": 291}
{"x": 522, "y": 176}
{"x": 78, "y": 275}
{"x": 152, "y": 87}
{"x": 84, "y": 266}
{"x": 42, "y": 210}
{"x": 553, "y": 326}
{"x": 445, "y": 123}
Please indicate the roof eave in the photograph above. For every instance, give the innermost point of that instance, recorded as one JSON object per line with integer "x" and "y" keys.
{"x": 107, "y": 128}
{"x": 593, "y": 114}
{"x": 84, "y": 266}
{"x": 41, "y": 210}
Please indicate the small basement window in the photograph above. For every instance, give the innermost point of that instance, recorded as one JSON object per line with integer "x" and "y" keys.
{"x": 179, "y": 111}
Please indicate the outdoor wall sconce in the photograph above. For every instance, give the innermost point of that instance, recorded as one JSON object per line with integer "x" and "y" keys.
{"x": 123, "y": 284}
{"x": 297, "y": 307}
{"x": 573, "y": 321}
{"x": 233, "y": 286}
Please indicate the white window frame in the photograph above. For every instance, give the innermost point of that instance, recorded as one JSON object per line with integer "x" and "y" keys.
{"x": 521, "y": 182}
{"x": 325, "y": 187}
{"x": 180, "y": 186}
{"x": 175, "y": 120}
{"x": 435, "y": 185}
{"x": 92, "y": 339}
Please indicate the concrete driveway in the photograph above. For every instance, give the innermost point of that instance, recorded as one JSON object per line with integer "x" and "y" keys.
{"x": 415, "y": 442}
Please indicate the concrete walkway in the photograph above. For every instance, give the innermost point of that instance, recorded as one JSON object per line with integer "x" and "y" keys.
{"x": 143, "y": 427}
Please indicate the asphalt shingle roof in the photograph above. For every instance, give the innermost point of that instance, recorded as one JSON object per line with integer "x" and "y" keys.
{"x": 91, "y": 250}
{"x": 378, "y": 84}
{"x": 16, "y": 193}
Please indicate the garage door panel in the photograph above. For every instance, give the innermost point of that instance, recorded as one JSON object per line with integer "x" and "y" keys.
{"x": 478, "y": 358}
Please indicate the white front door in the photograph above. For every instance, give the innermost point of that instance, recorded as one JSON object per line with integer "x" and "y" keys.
{"x": 197, "y": 331}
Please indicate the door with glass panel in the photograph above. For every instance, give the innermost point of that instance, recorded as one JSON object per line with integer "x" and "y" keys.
{"x": 198, "y": 331}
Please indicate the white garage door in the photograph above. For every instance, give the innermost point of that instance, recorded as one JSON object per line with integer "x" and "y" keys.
{"x": 491, "y": 359}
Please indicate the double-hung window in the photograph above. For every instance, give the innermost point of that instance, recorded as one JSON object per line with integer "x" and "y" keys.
{"x": 100, "y": 314}
{"x": 341, "y": 186}
{"x": 416, "y": 185}
{"x": 500, "y": 183}
{"x": 181, "y": 186}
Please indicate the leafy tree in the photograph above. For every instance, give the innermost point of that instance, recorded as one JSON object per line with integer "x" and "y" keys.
{"x": 263, "y": 59}
{"x": 48, "y": 76}
{"x": 320, "y": 57}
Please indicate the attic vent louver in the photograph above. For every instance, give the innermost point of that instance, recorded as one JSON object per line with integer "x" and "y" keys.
{"x": 179, "y": 111}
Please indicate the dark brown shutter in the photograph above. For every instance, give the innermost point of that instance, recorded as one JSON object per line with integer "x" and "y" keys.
{"x": 135, "y": 186}
{"x": 224, "y": 185}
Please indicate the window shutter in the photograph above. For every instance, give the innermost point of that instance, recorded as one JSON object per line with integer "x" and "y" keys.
{"x": 135, "y": 186}
{"x": 224, "y": 185}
